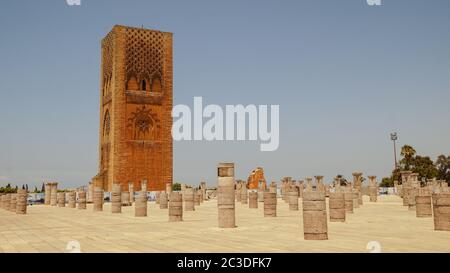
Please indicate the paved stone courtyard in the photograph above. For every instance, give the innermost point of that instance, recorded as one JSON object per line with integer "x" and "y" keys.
{"x": 50, "y": 229}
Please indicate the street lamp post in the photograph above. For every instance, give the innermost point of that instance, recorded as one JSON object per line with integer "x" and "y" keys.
{"x": 394, "y": 138}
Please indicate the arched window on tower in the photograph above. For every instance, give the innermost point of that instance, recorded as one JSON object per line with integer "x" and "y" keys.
{"x": 144, "y": 85}
{"x": 156, "y": 85}
{"x": 132, "y": 84}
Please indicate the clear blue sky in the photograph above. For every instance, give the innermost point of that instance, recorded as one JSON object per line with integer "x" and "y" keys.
{"x": 344, "y": 74}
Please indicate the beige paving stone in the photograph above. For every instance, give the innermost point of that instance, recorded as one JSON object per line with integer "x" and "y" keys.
{"x": 49, "y": 229}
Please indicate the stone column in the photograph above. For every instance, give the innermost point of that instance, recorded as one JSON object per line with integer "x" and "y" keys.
{"x": 175, "y": 207}
{"x": 337, "y": 184}
{"x": 282, "y": 189}
{"x": 61, "y": 199}
{"x": 3, "y": 200}
{"x": 163, "y": 202}
{"x": 189, "y": 199}
{"x": 357, "y": 182}
{"x": 319, "y": 183}
{"x": 260, "y": 195}
{"x": 413, "y": 191}
{"x": 7, "y": 201}
{"x": 405, "y": 186}
{"x": 405, "y": 192}
{"x": 131, "y": 191}
{"x": 238, "y": 191}
{"x": 140, "y": 209}
{"x": 441, "y": 211}
{"x": 13, "y": 202}
{"x": 270, "y": 204}
{"x": 444, "y": 186}
{"x": 315, "y": 216}
{"x": 21, "y": 203}
{"x": 48, "y": 190}
{"x": 309, "y": 186}
{"x": 225, "y": 195}
{"x": 348, "y": 199}
{"x": 82, "y": 200}
{"x": 72, "y": 196}
{"x": 293, "y": 198}
{"x": 396, "y": 188}
{"x": 285, "y": 189}
{"x": 273, "y": 188}
{"x": 197, "y": 197}
{"x": 125, "y": 198}
{"x": 301, "y": 188}
{"x": 201, "y": 196}
{"x": 98, "y": 198}
{"x": 431, "y": 185}
{"x": 414, "y": 181}
{"x": 244, "y": 194}
{"x": 203, "y": 187}
{"x": 253, "y": 200}
{"x": 337, "y": 207}
{"x": 423, "y": 204}
{"x": 54, "y": 194}
{"x": 438, "y": 188}
{"x": 116, "y": 198}
{"x": 373, "y": 188}
{"x": 355, "y": 198}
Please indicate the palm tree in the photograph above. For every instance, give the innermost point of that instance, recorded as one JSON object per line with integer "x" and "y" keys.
{"x": 408, "y": 154}
{"x": 408, "y": 151}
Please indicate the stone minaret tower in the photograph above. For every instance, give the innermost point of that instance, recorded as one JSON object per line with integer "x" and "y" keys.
{"x": 135, "y": 141}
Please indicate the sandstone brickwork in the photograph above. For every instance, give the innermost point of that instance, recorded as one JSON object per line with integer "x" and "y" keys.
{"x": 135, "y": 109}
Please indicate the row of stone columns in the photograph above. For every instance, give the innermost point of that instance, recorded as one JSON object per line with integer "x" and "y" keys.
{"x": 14, "y": 202}
{"x": 430, "y": 200}
{"x": 341, "y": 201}
{"x": 191, "y": 198}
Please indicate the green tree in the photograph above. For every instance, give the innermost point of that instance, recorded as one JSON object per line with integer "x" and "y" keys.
{"x": 387, "y": 182}
{"x": 425, "y": 167}
{"x": 176, "y": 187}
{"x": 443, "y": 167}
{"x": 408, "y": 154}
{"x": 422, "y": 165}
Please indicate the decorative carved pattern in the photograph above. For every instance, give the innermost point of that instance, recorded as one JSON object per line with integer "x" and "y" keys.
{"x": 144, "y": 124}
{"x": 107, "y": 57}
{"x": 144, "y": 54}
{"x": 106, "y": 125}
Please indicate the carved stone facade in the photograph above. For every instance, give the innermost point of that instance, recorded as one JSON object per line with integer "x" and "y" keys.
{"x": 135, "y": 109}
